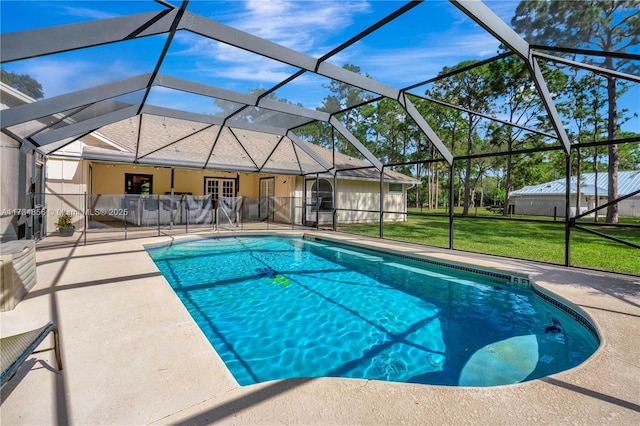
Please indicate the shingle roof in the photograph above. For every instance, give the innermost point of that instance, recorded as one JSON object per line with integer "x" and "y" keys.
{"x": 233, "y": 149}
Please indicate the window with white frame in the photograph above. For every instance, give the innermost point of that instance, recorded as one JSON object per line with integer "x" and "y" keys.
{"x": 220, "y": 187}
{"x": 395, "y": 188}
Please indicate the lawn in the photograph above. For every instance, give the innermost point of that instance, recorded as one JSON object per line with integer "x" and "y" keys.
{"x": 540, "y": 241}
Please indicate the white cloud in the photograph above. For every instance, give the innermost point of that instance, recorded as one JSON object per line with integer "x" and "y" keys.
{"x": 84, "y": 12}
{"x": 304, "y": 26}
{"x": 401, "y": 66}
{"x": 213, "y": 59}
{"x": 299, "y": 25}
{"x": 64, "y": 76}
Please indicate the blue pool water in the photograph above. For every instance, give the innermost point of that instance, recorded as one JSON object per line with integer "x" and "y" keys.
{"x": 276, "y": 308}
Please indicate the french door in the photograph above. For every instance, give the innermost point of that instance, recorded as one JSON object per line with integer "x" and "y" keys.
{"x": 267, "y": 191}
{"x": 220, "y": 187}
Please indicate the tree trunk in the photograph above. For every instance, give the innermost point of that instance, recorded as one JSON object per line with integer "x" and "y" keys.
{"x": 419, "y": 172}
{"x": 437, "y": 188}
{"x": 578, "y": 171}
{"x": 430, "y": 187}
{"x": 612, "y": 210}
{"x": 507, "y": 178}
{"x": 595, "y": 172}
{"x": 467, "y": 177}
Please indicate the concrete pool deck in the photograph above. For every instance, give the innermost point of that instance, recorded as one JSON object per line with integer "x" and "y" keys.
{"x": 133, "y": 355}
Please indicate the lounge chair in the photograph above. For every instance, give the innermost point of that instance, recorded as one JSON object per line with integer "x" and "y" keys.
{"x": 14, "y": 350}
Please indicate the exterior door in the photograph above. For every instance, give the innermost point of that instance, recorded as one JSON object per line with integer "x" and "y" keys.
{"x": 266, "y": 194}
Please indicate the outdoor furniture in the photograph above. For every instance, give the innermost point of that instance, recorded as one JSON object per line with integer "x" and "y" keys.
{"x": 495, "y": 209}
{"x": 14, "y": 350}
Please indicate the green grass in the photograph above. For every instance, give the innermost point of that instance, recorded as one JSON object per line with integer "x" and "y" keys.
{"x": 518, "y": 239}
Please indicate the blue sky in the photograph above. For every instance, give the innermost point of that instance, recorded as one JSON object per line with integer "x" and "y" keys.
{"x": 415, "y": 47}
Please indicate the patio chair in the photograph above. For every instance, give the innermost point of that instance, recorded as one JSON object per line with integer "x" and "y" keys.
{"x": 14, "y": 350}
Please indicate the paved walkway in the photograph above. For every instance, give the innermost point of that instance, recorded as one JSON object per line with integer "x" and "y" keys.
{"x": 133, "y": 355}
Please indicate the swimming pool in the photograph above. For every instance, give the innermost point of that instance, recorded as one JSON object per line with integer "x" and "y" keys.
{"x": 275, "y": 308}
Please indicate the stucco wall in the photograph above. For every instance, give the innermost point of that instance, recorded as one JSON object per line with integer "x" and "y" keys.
{"x": 109, "y": 179}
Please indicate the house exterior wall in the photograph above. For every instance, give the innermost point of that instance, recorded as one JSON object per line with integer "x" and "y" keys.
{"x": 14, "y": 181}
{"x": 65, "y": 186}
{"x": 109, "y": 179}
{"x": 365, "y": 195}
{"x": 15, "y": 175}
{"x": 71, "y": 177}
{"x": 540, "y": 205}
{"x": 629, "y": 207}
{"x": 547, "y": 205}
{"x": 544, "y": 205}
{"x": 359, "y": 201}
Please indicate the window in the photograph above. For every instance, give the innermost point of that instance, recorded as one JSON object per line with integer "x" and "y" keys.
{"x": 138, "y": 184}
{"x": 219, "y": 187}
{"x": 395, "y": 187}
{"x": 322, "y": 189}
